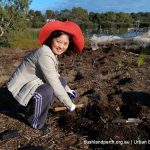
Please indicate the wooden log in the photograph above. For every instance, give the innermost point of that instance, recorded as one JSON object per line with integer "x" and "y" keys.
{"x": 65, "y": 108}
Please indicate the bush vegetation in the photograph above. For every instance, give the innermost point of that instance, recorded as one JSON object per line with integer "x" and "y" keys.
{"x": 24, "y": 39}
{"x": 16, "y": 18}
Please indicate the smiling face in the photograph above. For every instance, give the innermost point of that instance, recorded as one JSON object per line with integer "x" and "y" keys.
{"x": 60, "y": 44}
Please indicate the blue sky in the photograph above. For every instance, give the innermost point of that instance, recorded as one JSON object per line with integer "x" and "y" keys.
{"x": 93, "y": 5}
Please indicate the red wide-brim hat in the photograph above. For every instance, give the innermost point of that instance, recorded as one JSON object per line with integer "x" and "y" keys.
{"x": 68, "y": 27}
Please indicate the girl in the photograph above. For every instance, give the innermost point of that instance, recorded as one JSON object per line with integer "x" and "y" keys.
{"x": 36, "y": 82}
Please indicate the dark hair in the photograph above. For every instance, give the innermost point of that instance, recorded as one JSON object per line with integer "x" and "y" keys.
{"x": 56, "y": 34}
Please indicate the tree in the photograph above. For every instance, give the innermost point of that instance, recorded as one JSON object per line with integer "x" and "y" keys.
{"x": 31, "y": 14}
{"x": 122, "y": 17}
{"x": 38, "y": 19}
{"x": 95, "y": 17}
{"x": 79, "y": 15}
{"x": 64, "y": 15}
{"x": 110, "y": 16}
{"x": 49, "y": 14}
{"x": 13, "y": 14}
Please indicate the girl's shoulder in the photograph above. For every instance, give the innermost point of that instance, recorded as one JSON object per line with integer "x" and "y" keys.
{"x": 45, "y": 50}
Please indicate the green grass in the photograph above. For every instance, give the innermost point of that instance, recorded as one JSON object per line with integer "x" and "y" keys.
{"x": 25, "y": 39}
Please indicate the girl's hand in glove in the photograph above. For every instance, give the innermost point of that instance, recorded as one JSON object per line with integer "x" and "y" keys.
{"x": 72, "y": 108}
{"x": 72, "y": 94}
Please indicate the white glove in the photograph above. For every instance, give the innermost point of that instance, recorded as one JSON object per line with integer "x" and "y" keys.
{"x": 72, "y": 108}
{"x": 72, "y": 94}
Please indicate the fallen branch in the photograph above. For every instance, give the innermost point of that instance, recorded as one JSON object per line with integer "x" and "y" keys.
{"x": 65, "y": 108}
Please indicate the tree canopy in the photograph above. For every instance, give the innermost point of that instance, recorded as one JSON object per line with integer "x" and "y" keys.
{"x": 16, "y": 16}
{"x": 13, "y": 14}
{"x": 88, "y": 19}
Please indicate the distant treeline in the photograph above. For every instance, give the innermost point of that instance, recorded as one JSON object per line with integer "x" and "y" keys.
{"x": 15, "y": 16}
{"x": 91, "y": 19}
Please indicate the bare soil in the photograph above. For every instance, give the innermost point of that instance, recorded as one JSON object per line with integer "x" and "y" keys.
{"x": 110, "y": 84}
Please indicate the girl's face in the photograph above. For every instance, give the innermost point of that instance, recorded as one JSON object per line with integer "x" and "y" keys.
{"x": 60, "y": 44}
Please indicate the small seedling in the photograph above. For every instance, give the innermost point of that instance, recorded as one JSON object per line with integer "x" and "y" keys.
{"x": 141, "y": 59}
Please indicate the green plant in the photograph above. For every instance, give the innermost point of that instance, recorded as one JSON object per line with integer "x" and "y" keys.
{"x": 13, "y": 17}
{"x": 141, "y": 58}
{"x": 25, "y": 39}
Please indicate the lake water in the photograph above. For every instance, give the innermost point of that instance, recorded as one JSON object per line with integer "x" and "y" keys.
{"x": 126, "y": 33}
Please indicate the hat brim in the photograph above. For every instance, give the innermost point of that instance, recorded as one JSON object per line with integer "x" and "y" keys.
{"x": 68, "y": 27}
